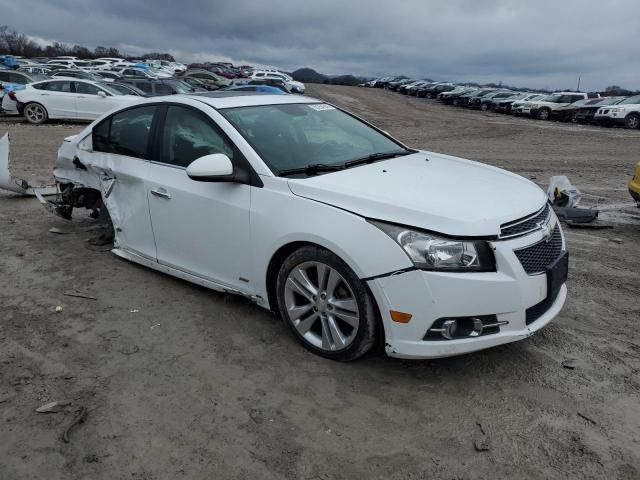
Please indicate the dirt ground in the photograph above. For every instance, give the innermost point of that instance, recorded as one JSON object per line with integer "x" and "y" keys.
{"x": 181, "y": 382}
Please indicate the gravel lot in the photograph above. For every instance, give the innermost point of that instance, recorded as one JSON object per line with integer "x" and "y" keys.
{"x": 181, "y": 382}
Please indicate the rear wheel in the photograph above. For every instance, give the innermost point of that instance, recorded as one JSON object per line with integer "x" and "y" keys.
{"x": 327, "y": 307}
{"x": 35, "y": 113}
{"x": 632, "y": 121}
{"x": 484, "y": 107}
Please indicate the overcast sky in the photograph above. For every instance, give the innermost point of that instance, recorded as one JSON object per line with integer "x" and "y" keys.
{"x": 537, "y": 43}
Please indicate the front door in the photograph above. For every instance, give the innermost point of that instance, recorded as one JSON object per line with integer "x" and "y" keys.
{"x": 89, "y": 103}
{"x": 59, "y": 99}
{"x": 201, "y": 228}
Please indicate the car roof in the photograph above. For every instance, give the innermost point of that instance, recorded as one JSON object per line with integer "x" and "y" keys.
{"x": 232, "y": 99}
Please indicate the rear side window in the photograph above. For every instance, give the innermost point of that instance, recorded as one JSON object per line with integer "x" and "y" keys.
{"x": 57, "y": 86}
{"x": 189, "y": 135}
{"x": 125, "y": 133}
{"x": 17, "y": 78}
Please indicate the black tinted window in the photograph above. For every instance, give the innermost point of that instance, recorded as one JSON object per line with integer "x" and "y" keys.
{"x": 162, "y": 89}
{"x": 86, "y": 88}
{"x": 189, "y": 135}
{"x": 59, "y": 86}
{"x": 17, "y": 78}
{"x": 4, "y": 76}
{"x": 125, "y": 133}
{"x": 145, "y": 87}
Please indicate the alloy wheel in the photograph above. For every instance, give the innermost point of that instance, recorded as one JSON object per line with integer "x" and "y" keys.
{"x": 321, "y": 306}
{"x": 35, "y": 113}
{"x": 632, "y": 121}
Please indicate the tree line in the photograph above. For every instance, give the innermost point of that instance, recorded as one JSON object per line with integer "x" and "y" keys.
{"x": 20, "y": 45}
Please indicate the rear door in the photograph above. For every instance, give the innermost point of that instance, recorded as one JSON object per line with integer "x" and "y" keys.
{"x": 120, "y": 159}
{"x": 201, "y": 228}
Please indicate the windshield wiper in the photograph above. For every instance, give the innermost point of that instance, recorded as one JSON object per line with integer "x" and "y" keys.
{"x": 310, "y": 170}
{"x": 374, "y": 157}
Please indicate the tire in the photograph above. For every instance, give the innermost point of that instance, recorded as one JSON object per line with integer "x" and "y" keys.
{"x": 544, "y": 114}
{"x": 35, "y": 113}
{"x": 632, "y": 121}
{"x": 484, "y": 107}
{"x": 334, "y": 313}
{"x": 574, "y": 118}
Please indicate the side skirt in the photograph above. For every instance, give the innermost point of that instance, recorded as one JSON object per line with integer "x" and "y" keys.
{"x": 139, "y": 259}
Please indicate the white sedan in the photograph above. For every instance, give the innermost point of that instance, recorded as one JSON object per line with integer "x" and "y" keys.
{"x": 64, "y": 99}
{"x": 305, "y": 209}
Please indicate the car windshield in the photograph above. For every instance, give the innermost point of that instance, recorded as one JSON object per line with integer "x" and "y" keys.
{"x": 296, "y": 136}
{"x": 631, "y": 100}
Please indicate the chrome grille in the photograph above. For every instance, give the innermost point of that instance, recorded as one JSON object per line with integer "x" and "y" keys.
{"x": 525, "y": 225}
{"x": 536, "y": 258}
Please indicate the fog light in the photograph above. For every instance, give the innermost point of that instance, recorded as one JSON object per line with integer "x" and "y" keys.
{"x": 453, "y": 328}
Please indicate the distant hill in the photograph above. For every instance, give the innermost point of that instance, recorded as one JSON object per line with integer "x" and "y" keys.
{"x": 309, "y": 75}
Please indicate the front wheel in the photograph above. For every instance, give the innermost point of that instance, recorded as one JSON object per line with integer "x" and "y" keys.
{"x": 632, "y": 121}
{"x": 544, "y": 114}
{"x": 484, "y": 107}
{"x": 35, "y": 113}
{"x": 326, "y": 306}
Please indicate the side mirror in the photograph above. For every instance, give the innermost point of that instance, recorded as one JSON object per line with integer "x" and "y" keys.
{"x": 216, "y": 167}
{"x": 102, "y": 94}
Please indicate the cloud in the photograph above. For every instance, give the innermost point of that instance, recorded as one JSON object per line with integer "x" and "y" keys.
{"x": 540, "y": 43}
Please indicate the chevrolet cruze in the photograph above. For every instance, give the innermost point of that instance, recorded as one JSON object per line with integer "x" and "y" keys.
{"x": 350, "y": 236}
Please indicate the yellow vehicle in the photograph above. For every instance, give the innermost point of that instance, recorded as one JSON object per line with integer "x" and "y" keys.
{"x": 634, "y": 184}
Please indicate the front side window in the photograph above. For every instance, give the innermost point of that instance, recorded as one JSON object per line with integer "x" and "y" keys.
{"x": 125, "y": 133}
{"x": 189, "y": 135}
{"x": 162, "y": 89}
{"x": 145, "y": 87}
{"x": 86, "y": 88}
{"x": 295, "y": 136}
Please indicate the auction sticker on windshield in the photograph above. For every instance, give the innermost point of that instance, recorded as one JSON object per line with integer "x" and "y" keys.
{"x": 322, "y": 106}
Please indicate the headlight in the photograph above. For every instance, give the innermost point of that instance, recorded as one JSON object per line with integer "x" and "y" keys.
{"x": 616, "y": 110}
{"x": 431, "y": 252}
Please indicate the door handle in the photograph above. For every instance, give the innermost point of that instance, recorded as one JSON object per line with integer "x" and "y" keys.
{"x": 161, "y": 192}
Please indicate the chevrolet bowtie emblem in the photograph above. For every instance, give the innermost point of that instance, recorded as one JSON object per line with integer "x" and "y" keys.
{"x": 546, "y": 231}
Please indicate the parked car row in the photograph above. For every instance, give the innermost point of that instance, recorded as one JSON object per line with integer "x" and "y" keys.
{"x": 69, "y": 88}
{"x": 569, "y": 106}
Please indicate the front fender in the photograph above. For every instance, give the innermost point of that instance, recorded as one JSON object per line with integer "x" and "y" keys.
{"x": 279, "y": 217}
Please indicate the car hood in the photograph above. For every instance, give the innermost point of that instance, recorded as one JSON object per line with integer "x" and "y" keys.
{"x": 426, "y": 190}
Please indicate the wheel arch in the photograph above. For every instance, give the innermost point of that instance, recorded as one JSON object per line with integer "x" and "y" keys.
{"x": 282, "y": 253}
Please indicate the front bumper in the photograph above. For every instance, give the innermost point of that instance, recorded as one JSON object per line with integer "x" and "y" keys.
{"x": 428, "y": 296}
{"x": 610, "y": 119}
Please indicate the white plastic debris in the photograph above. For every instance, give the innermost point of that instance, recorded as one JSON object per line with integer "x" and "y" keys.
{"x": 47, "y": 407}
{"x": 562, "y": 192}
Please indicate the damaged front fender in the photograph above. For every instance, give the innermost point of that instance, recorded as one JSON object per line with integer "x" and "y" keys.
{"x": 14, "y": 185}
